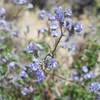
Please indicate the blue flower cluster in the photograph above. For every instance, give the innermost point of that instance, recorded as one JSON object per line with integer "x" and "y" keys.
{"x": 11, "y": 65}
{"x": 34, "y": 70}
{"x": 61, "y": 18}
{"x": 71, "y": 26}
{"x": 68, "y": 12}
{"x": 87, "y": 75}
{"x": 78, "y": 27}
{"x": 85, "y": 69}
{"x": 2, "y": 13}
{"x": 59, "y": 14}
{"x": 42, "y": 14}
{"x": 23, "y": 74}
{"x": 37, "y": 74}
{"x": 40, "y": 76}
{"x": 75, "y": 76}
{"x": 94, "y": 87}
{"x": 51, "y": 63}
{"x": 42, "y": 30}
{"x": 34, "y": 66}
{"x": 26, "y": 90}
{"x": 31, "y": 48}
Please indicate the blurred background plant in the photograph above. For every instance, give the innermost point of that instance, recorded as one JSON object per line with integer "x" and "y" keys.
{"x": 43, "y": 53}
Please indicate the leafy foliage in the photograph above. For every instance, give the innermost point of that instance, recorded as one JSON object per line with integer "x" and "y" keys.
{"x": 89, "y": 56}
{"x": 77, "y": 92}
{"x": 4, "y": 95}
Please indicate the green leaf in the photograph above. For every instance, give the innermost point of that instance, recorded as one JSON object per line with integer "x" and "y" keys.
{"x": 37, "y": 97}
{"x": 2, "y": 46}
{"x": 43, "y": 45}
{"x": 3, "y": 70}
{"x": 20, "y": 81}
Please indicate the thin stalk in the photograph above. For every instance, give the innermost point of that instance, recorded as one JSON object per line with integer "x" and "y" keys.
{"x": 53, "y": 52}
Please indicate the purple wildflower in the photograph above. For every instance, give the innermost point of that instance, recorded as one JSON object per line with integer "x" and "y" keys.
{"x": 31, "y": 89}
{"x": 24, "y": 91}
{"x": 11, "y": 65}
{"x": 42, "y": 14}
{"x": 89, "y": 76}
{"x": 23, "y": 74}
{"x": 40, "y": 76}
{"x": 68, "y": 25}
{"x": 36, "y": 61}
{"x": 54, "y": 33}
{"x": 51, "y": 17}
{"x": 54, "y": 26}
{"x": 94, "y": 87}
{"x": 42, "y": 30}
{"x": 75, "y": 76}
{"x": 34, "y": 65}
{"x": 51, "y": 63}
{"x": 31, "y": 48}
{"x": 68, "y": 12}
{"x": 85, "y": 69}
{"x": 78, "y": 27}
{"x": 59, "y": 14}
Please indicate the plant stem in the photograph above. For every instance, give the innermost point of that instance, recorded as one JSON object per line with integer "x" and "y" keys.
{"x": 53, "y": 52}
{"x": 60, "y": 77}
{"x": 19, "y": 11}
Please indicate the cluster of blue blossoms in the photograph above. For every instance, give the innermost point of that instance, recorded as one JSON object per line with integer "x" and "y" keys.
{"x": 51, "y": 63}
{"x": 31, "y": 48}
{"x": 36, "y": 72}
{"x": 94, "y": 87}
{"x": 26, "y": 90}
{"x": 85, "y": 75}
{"x": 61, "y": 18}
{"x": 35, "y": 68}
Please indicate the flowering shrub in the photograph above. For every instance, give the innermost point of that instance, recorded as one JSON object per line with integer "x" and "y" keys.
{"x": 35, "y": 76}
